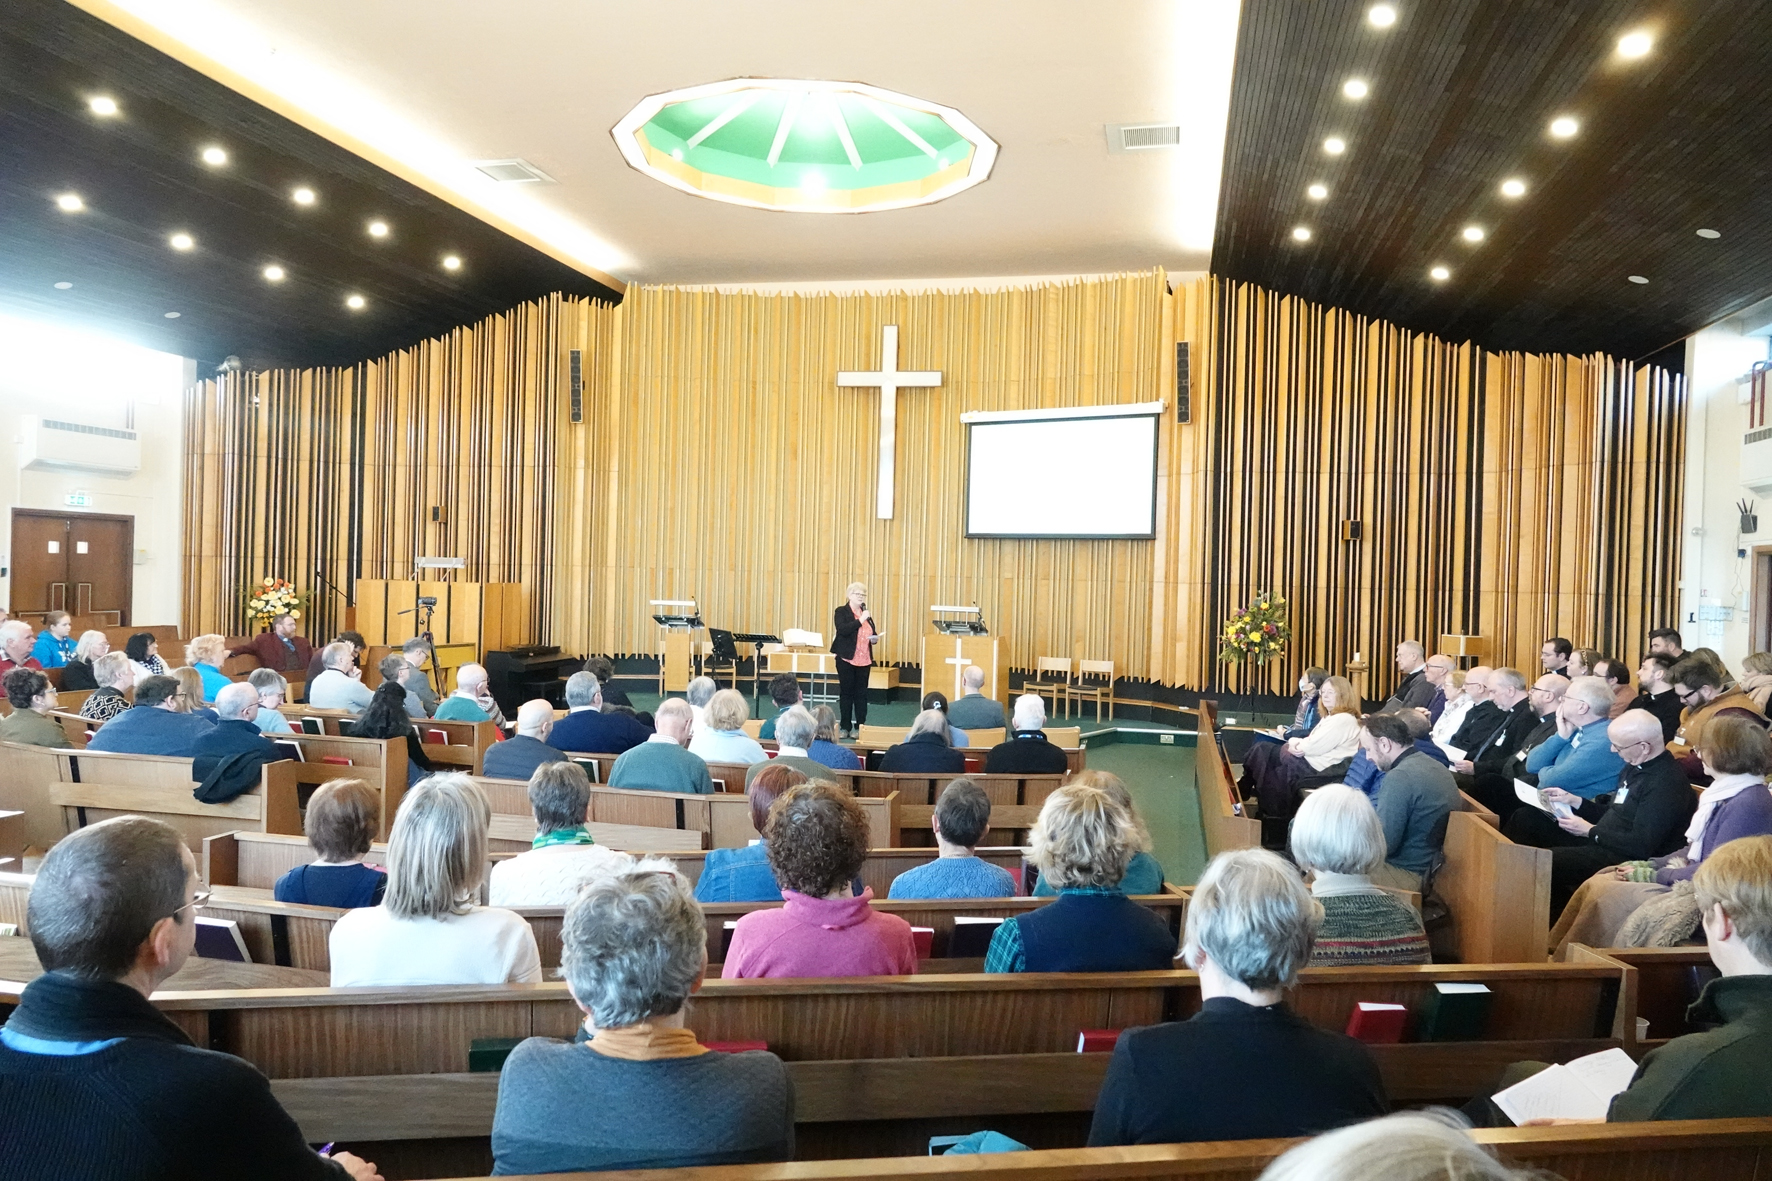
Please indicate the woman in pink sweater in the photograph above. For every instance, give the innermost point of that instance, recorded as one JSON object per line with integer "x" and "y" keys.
{"x": 817, "y": 838}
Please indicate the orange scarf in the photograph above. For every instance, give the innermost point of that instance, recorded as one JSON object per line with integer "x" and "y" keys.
{"x": 645, "y": 1042}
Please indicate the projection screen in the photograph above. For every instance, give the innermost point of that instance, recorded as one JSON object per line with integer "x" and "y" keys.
{"x": 1086, "y": 472}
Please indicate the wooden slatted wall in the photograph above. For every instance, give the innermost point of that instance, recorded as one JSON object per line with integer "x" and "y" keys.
{"x": 1504, "y": 495}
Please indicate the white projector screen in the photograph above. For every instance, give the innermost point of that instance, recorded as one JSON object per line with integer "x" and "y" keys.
{"x": 1100, "y": 474}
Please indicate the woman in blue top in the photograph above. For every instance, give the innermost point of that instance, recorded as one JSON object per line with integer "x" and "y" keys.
{"x": 744, "y": 875}
{"x": 341, "y": 822}
{"x": 55, "y": 643}
{"x": 206, "y": 654}
{"x": 825, "y": 748}
{"x": 1143, "y": 875}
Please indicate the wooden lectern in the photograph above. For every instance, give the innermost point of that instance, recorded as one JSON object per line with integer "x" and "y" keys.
{"x": 488, "y": 615}
{"x": 945, "y": 658}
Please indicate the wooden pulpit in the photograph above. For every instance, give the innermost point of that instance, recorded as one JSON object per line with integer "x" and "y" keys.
{"x": 945, "y": 658}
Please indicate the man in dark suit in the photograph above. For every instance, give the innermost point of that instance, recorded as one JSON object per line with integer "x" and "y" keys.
{"x": 1415, "y": 689}
{"x": 279, "y": 649}
{"x": 518, "y": 756}
{"x": 585, "y": 728}
{"x": 1503, "y": 760}
{"x": 1028, "y": 752}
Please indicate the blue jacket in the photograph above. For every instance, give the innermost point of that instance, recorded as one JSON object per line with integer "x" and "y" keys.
{"x": 213, "y": 680}
{"x": 1583, "y": 764}
{"x": 150, "y": 730}
{"x": 737, "y": 875}
{"x": 591, "y": 732}
{"x": 232, "y": 737}
{"x": 518, "y": 757}
{"x": 51, "y": 652}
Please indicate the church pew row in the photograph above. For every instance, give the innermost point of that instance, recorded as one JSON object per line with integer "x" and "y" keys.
{"x": 464, "y": 750}
{"x": 1221, "y": 812}
{"x": 1667, "y": 980}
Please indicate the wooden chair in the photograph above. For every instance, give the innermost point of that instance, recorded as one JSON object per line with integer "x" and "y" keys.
{"x": 1095, "y": 682}
{"x": 1052, "y": 678}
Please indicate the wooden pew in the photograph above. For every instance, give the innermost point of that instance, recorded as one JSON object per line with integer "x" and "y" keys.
{"x": 1221, "y": 811}
{"x": 1497, "y": 893}
{"x": 90, "y": 786}
{"x": 1668, "y": 980}
{"x": 876, "y": 739}
{"x": 1015, "y": 799}
{"x": 465, "y": 749}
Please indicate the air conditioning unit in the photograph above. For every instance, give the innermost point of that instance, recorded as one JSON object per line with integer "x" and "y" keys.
{"x": 52, "y": 444}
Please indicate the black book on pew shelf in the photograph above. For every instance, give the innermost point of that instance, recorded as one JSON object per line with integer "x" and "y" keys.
{"x": 971, "y": 936}
{"x": 486, "y": 1055}
{"x": 1455, "y": 1013}
{"x": 313, "y": 726}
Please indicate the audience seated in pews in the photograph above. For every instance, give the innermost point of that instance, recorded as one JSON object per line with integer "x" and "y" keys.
{"x": 1338, "y": 841}
{"x": 1410, "y": 1146}
{"x": 1275, "y": 774}
{"x": 143, "y": 651}
{"x": 723, "y": 739}
{"x": 1648, "y": 903}
{"x": 925, "y": 749}
{"x": 701, "y": 690}
{"x": 190, "y": 693}
{"x": 939, "y": 701}
{"x": 154, "y": 725}
{"x": 1578, "y": 759}
{"x": 972, "y": 710}
{"x": 962, "y": 816}
{"x": 55, "y": 645}
{"x": 519, "y": 755}
{"x": 1647, "y": 816}
{"x": 229, "y": 760}
{"x": 472, "y": 699}
{"x": 95, "y": 1082}
{"x": 278, "y": 648}
{"x": 1616, "y": 674}
{"x": 1309, "y": 711}
{"x": 1416, "y": 688}
{"x": 662, "y": 763}
{"x": 784, "y": 691}
{"x": 603, "y": 669}
{"x": 78, "y": 673}
{"x": 1503, "y": 760}
{"x": 587, "y": 726}
{"x": 563, "y": 856}
{"x": 393, "y": 667}
{"x": 317, "y": 663}
{"x": 1457, "y": 707}
{"x": 794, "y": 731}
{"x": 1082, "y": 843}
{"x": 1028, "y": 751}
{"x": 32, "y": 698}
{"x": 428, "y": 928}
{"x": 116, "y": 680}
{"x": 1554, "y": 655}
{"x": 1655, "y": 694}
{"x": 1143, "y": 874}
{"x": 636, "y": 1090}
{"x": 386, "y": 718}
{"x": 342, "y": 818}
{"x": 745, "y": 875}
{"x": 340, "y": 683}
{"x": 1701, "y": 688}
{"x": 816, "y": 836}
{"x": 825, "y": 748}
{"x": 206, "y": 654}
{"x": 273, "y": 690}
{"x": 16, "y": 643}
{"x": 1415, "y": 797}
{"x": 1245, "y": 1066}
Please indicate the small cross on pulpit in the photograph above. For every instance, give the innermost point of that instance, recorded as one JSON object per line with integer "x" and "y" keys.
{"x": 890, "y": 379}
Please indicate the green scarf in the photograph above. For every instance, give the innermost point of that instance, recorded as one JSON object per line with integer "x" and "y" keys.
{"x": 565, "y": 836}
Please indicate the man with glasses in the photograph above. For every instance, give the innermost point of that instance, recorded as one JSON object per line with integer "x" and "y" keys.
{"x": 1655, "y": 694}
{"x": 1533, "y": 719}
{"x": 1650, "y": 808}
{"x": 95, "y": 1082}
{"x": 1577, "y": 758}
{"x": 1699, "y": 686}
{"x": 1480, "y": 722}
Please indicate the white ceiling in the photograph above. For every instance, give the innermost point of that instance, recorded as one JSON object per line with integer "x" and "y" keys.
{"x": 428, "y": 87}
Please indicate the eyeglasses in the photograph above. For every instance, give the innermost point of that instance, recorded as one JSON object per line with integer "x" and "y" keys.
{"x": 201, "y": 897}
{"x": 1685, "y": 694}
{"x": 1618, "y": 750}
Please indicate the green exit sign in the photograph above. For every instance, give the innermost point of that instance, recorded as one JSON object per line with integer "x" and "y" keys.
{"x": 78, "y": 500}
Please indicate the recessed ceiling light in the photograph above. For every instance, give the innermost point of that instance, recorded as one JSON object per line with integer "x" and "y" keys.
{"x": 1473, "y": 233}
{"x": 355, "y": 302}
{"x": 451, "y": 263}
{"x": 1513, "y": 187}
{"x": 181, "y": 241}
{"x": 274, "y": 273}
{"x": 63, "y": 285}
{"x": 214, "y": 156}
{"x": 1636, "y": 278}
{"x": 378, "y": 229}
{"x": 1381, "y": 16}
{"x": 1564, "y": 126}
{"x": 1439, "y": 274}
{"x": 1317, "y": 192}
{"x": 1335, "y": 145}
{"x": 1301, "y": 233}
{"x": 302, "y": 196}
{"x": 173, "y": 315}
{"x": 1355, "y": 88}
{"x": 70, "y": 203}
{"x": 102, "y": 104}
{"x": 1635, "y": 45}
{"x": 1709, "y": 234}
{"x": 677, "y": 154}
{"x": 812, "y": 182}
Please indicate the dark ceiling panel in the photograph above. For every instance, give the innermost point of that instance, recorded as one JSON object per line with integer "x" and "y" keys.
{"x": 142, "y": 180}
{"x": 1463, "y": 92}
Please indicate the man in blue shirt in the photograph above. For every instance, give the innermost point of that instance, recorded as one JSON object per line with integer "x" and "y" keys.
{"x": 151, "y": 726}
{"x": 1579, "y": 757}
{"x": 962, "y": 817}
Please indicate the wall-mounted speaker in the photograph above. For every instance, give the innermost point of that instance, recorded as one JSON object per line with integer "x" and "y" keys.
{"x": 1350, "y": 530}
{"x": 1184, "y": 409}
{"x": 575, "y": 365}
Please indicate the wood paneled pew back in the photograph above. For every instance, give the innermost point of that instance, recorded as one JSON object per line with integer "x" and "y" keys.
{"x": 464, "y": 750}
{"x": 1667, "y": 981}
{"x": 875, "y": 740}
{"x": 1221, "y": 815}
{"x": 1015, "y": 800}
{"x": 1497, "y": 893}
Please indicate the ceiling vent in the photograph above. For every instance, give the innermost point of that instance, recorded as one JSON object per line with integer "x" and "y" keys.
{"x": 55, "y": 445}
{"x": 514, "y": 172}
{"x": 1142, "y": 137}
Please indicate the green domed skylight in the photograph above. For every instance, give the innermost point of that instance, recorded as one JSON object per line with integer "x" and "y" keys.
{"x": 806, "y": 147}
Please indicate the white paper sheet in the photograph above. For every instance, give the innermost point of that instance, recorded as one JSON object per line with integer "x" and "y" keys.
{"x": 1582, "y": 1089}
{"x": 1456, "y": 754}
{"x": 1529, "y": 794}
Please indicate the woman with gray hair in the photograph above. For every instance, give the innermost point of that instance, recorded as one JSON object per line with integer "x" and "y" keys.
{"x": 925, "y": 750}
{"x": 116, "y": 678}
{"x": 1413, "y": 1146}
{"x": 1245, "y": 1067}
{"x": 429, "y": 928}
{"x": 634, "y": 950}
{"x": 1337, "y": 838}
{"x": 78, "y": 674}
{"x": 1082, "y": 843}
{"x": 273, "y": 691}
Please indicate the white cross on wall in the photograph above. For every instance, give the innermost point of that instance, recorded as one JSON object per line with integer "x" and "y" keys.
{"x": 889, "y": 379}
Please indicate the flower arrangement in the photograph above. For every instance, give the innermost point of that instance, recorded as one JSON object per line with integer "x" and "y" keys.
{"x": 1258, "y": 632}
{"x": 274, "y": 597}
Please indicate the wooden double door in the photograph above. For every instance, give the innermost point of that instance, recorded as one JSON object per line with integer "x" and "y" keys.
{"x": 81, "y": 563}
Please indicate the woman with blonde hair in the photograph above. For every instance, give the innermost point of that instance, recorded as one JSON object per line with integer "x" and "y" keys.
{"x": 1143, "y": 875}
{"x": 1412, "y": 1146}
{"x": 722, "y": 739}
{"x": 429, "y": 927}
{"x": 190, "y": 693}
{"x": 1082, "y": 843}
{"x": 855, "y": 633}
{"x": 1276, "y": 775}
{"x": 206, "y": 654}
{"x": 1756, "y": 678}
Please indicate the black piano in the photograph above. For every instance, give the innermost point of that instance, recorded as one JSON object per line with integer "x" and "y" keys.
{"x": 523, "y": 674}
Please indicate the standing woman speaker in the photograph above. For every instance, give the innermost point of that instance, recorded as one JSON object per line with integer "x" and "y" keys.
{"x": 857, "y": 633}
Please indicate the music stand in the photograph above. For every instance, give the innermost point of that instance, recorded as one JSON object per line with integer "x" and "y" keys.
{"x": 756, "y": 640}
